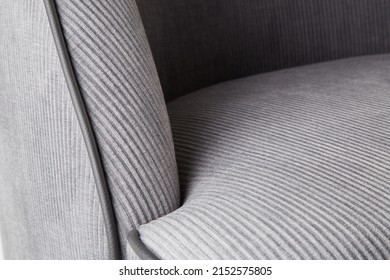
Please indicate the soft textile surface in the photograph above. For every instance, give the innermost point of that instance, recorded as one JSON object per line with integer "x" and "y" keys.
{"x": 293, "y": 164}
{"x": 119, "y": 83}
{"x": 1, "y": 249}
{"x": 49, "y": 208}
{"x": 197, "y": 43}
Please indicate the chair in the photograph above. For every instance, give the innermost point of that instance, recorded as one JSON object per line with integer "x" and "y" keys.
{"x": 196, "y": 129}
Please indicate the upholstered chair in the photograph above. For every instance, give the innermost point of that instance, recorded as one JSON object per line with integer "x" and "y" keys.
{"x": 195, "y": 129}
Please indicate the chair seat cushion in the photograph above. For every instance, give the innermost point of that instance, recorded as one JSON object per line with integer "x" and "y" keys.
{"x": 293, "y": 164}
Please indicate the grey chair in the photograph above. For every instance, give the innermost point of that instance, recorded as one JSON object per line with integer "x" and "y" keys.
{"x": 195, "y": 129}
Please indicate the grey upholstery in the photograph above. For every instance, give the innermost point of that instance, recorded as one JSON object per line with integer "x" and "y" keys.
{"x": 291, "y": 164}
{"x": 287, "y": 165}
{"x": 197, "y": 43}
{"x": 49, "y": 207}
{"x": 63, "y": 213}
{"x": 118, "y": 81}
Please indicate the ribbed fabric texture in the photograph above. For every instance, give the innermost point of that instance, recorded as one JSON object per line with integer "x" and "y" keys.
{"x": 49, "y": 207}
{"x": 286, "y": 165}
{"x": 120, "y": 86}
{"x": 197, "y": 43}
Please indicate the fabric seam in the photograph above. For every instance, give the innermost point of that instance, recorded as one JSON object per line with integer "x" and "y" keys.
{"x": 86, "y": 129}
{"x": 139, "y": 247}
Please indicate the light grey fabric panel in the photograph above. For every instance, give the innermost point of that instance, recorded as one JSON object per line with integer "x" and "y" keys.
{"x": 1, "y": 247}
{"x": 198, "y": 43}
{"x": 49, "y": 207}
{"x": 120, "y": 86}
{"x": 86, "y": 129}
{"x": 286, "y": 165}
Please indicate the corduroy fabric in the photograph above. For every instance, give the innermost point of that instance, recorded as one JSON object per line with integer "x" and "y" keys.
{"x": 49, "y": 208}
{"x": 118, "y": 81}
{"x": 286, "y": 165}
{"x": 197, "y": 43}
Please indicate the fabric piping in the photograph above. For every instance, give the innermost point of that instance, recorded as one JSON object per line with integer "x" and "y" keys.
{"x": 86, "y": 128}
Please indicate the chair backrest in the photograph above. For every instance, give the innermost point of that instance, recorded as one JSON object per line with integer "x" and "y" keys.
{"x": 197, "y": 43}
{"x": 85, "y": 141}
